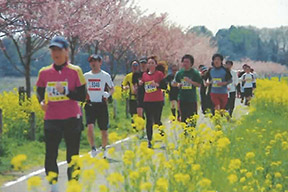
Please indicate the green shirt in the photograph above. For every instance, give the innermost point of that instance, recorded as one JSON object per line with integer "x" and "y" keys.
{"x": 187, "y": 91}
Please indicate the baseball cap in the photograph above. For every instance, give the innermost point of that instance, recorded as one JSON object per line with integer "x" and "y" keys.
{"x": 94, "y": 57}
{"x": 143, "y": 60}
{"x": 59, "y": 41}
{"x": 203, "y": 68}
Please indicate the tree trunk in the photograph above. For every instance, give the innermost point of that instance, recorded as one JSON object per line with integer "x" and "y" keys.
{"x": 28, "y": 64}
{"x": 96, "y": 47}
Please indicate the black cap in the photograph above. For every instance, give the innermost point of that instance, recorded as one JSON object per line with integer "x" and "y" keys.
{"x": 59, "y": 41}
{"x": 95, "y": 57}
{"x": 143, "y": 60}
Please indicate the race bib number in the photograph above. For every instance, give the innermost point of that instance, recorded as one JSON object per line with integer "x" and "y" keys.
{"x": 149, "y": 88}
{"x": 94, "y": 85}
{"x": 186, "y": 85}
{"x": 249, "y": 80}
{"x": 215, "y": 82}
{"x": 52, "y": 93}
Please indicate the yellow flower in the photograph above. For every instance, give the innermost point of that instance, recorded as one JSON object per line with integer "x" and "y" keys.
{"x": 128, "y": 157}
{"x": 232, "y": 178}
{"x": 89, "y": 175}
{"x": 235, "y": 164}
{"x": 74, "y": 186}
{"x": 279, "y": 186}
{"x": 17, "y": 161}
{"x": 162, "y": 184}
{"x": 196, "y": 167}
{"x": 146, "y": 186}
{"x": 278, "y": 175}
{"x": 223, "y": 142}
{"x": 101, "y": 165}
{"x": 51, "y": 177}
{"x": 205, "y": 183}
{"x": 133, "y": 175}
{"x": 250, "y": 155}
{"x": 113, "y": 137}
{"x": 115, "y": 179}
{"x": 103, "y": 188}
{"x": 183, "y": 178}
{"x": 242, "y": 180}
{"x": 249, "y": 174}
{"x": 34, "y": 182}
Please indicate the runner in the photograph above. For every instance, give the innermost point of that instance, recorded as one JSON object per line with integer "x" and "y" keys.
{"x": 187, "y": 79}
{"x": 96, "y": 106}
{"x": 206, "y": 103}
{"x": 231, "y": 88}
{"x": 247, "y": 80}
{"x": 240, "y": 87}
{"x": 127, "y": 84}
{"x": 153, "y": 81}
{"x": 138, "y": 85}
{"x": 59, "y": 87}
{"x": 219, "y": 78}
{"x": 173, "y": 91}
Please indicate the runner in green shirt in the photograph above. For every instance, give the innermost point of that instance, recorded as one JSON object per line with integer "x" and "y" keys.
{"x": 187, "y": 79}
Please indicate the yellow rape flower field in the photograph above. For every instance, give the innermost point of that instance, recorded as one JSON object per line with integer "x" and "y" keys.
{"x": 247, "y": 154}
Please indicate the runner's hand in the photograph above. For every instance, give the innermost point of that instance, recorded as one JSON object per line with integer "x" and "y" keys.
{"x": 44, "y": 106}
{"x": 59, "y": 87}
{"x": 106, "y": 95}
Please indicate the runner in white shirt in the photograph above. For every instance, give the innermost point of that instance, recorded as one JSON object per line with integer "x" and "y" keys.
{"x": 231, "y": 88}
{"x": 247, "y": 80}
{"x": 97, "y": 81}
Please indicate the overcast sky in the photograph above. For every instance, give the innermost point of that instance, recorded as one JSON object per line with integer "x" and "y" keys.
{"x": 217, "y": 14}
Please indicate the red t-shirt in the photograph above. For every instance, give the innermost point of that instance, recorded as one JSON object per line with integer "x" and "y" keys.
{"x": 59, "y": 105}
{"x": 152, "y": 93}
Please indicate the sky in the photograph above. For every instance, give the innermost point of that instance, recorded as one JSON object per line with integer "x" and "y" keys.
{"x": 218, "y": 14}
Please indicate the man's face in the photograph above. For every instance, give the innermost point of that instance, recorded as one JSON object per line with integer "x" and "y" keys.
{"x": 186, "y": 63}
{"x": 135, "y": 66}
{"x": 228, "y": 66}
{"x": 174, "y": 69}
{"x": 143, "y": 66}
{"x": 217, "y": 62}
{"x": 95, "y": 64}
{"x": 247, "y": 69}
{"x": 59, "y": 56}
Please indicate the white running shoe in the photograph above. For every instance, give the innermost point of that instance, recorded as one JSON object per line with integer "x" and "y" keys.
{"x": 93, "y": 153}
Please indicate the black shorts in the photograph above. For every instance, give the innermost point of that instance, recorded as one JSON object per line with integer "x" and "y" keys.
{"x": 173, "y": 96}
{"x": 248, "y": 92}
{"x": 97, "y": 111}
{"x": 132, "y": 107}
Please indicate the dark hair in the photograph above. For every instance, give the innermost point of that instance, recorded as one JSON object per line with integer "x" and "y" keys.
{"x": 229, "y": 62}
{"x": 217, "y": 55}
{"x": 153, "y": 58}
{"x": 160, "y": 68}
{"x": 135, "y": 60}
{"x": 190, "y": 57}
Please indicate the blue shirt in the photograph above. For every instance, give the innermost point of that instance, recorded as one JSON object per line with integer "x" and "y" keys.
{"x": 219, "y": 75}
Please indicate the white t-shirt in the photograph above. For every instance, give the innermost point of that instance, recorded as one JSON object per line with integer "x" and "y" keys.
{"x": 96, "y": 84}
{"x": 249, "y": 80}
{"x": 235, "y": 81}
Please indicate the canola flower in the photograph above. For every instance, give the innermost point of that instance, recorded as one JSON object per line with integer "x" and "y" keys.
{"x": 17, "y": 161}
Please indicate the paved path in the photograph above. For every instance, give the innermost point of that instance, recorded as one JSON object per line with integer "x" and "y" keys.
{"x": 21, "y": 185}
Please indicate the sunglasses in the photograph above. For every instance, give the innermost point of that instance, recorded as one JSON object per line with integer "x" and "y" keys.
{"x": 95, "y": 57}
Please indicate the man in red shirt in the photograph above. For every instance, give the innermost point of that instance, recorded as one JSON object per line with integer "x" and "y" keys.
{"x": 59, "y": 87}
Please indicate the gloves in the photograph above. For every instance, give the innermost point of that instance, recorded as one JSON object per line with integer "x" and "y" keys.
{"x": 106, "y": 95}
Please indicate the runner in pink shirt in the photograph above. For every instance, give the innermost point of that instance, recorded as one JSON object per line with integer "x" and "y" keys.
{"x": 153, "y": 81}
{"x": 59, "y": 87}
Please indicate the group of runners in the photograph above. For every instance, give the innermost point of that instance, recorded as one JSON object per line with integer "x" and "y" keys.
{"x": 61, "y": 86}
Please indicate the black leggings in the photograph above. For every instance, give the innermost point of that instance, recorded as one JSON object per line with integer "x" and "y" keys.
{"x": 231, "y": 103}
{"x": 187, "y": 109}
{"x": 153, "y": 116}
{"x": 54, "y": 130}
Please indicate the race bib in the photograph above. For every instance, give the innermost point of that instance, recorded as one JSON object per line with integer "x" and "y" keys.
{"x": 215, "y": 81}
{"x": 249, "y": 80}
{"x": 94, "y": 85}
{"x": 52, "y": 93}
{"x": 149, "y": 88}
{"x": 186, "y": 85}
